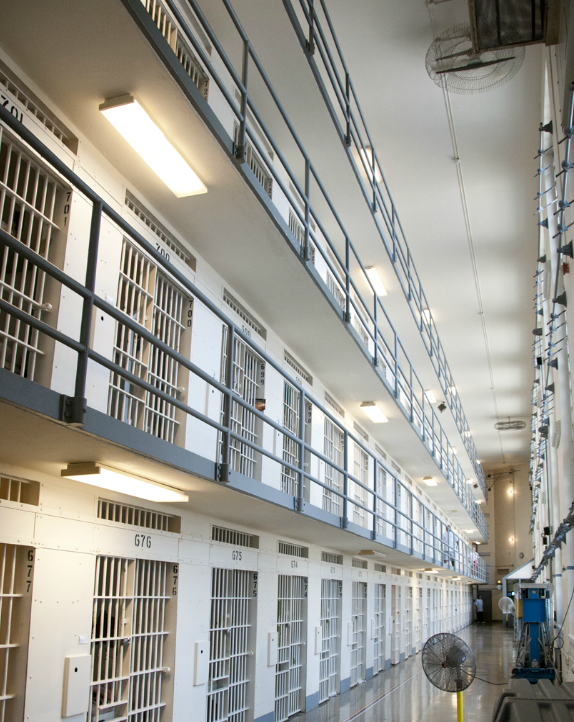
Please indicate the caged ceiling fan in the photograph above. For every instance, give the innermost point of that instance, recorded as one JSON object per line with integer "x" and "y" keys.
{"x": 449, "y": 664}
{"x": 454, "y": 63}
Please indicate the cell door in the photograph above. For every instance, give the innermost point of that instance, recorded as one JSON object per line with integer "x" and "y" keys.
{"x": 419, "y": 620}
{"x": 427, "y": 616}
{"x": 358, "y": 621}
{"x": 379, "y": 630}
{"x": 289, "y": 672}
{"x": 16, "y": 576}
{"x": 435, "y": 611}
{"x": 329, "y": 665}
{"x": 408, "y": 622}
{"x": 396, "y": 621}
{"x": 133, "y": 614}
{"x": 232, "y": 641}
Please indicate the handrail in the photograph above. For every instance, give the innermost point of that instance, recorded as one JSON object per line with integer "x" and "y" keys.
{"x": 91, "y": 300}
{"x": 431, "y": 434}
{"x": 558, "y": 317}
{"x": 377, "y": 194}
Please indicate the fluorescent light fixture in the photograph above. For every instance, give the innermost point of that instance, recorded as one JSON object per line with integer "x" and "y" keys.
{"x": 124, "y": 483}
{"x": 470, "y": 481}
{"x": 479, "y": 501}
{"x": 134, "y": 124}
{"x": 430, "y": 396}
{"x": 470, "y": 531}
{"x": 455, "y": 579}
{"x": 374, "y": 412}
{"x": 426, "y": 315}
{"x": 375, "y": 279}
{"x": 367, "y": 156}
{"x": 477, "y": 543}
{"x": 429, "y": 481}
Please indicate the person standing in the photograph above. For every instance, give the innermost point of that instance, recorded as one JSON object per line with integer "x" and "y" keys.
{"x": 478, "y": 603}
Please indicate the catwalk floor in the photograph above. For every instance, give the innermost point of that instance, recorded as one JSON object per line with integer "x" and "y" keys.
{"x": 403, "y": 693}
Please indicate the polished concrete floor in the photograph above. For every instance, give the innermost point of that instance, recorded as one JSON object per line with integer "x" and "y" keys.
{"x": 403, "y": 693}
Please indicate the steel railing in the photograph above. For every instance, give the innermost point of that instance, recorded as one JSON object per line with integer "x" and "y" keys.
{"x": 338, "y": 91}
{"x": 424, "y": 539}
{"x": 384, "y": 349}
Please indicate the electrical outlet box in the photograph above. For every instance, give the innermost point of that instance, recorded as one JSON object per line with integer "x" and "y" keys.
{"x": 201, "y": 663}
{"x": 272, "y": 649}
{"x": 76, "y": 693}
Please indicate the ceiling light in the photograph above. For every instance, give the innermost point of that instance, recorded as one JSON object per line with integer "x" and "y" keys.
{"x": 455, "y": 579}
{"x": 375, "y": 280}
{"x": 477, "y": 543}
{"x": 134, "y": 124}
{"x": 430, "y": 396}
{"x": 470, "y": 531}
{"x": 452, "y": 390}
{"x": 479, "y": 501}
{"x": 511, "y": 540}
{"x": 122, "y": 482}
{"x": 367, "y": 156}
{"x": 509, "y": 492}
{"x": 374, "y": 412}
{"x": 429, "y": 481}
{"x": 426, "y": 315}
{"x": 470, "y": 481}
{"x": 454, "y": 449}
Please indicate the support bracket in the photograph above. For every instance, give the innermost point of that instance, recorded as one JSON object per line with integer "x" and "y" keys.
{"x": 73, "y": 410}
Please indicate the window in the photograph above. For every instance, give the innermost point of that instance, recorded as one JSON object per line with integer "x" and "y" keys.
{"x": 333, "y": 450}
{"x": 291, "y": 449}
{"x": 31, "y": 203}
{"x": 150, "y": 299}
{"x": 247, "y": 373}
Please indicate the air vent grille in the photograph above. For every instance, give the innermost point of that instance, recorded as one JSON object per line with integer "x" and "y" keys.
{"x": 334, "y": 405}
{"x": 19, "y": 490}
{"x": 243, "y": 313}
{"x": 139, "y": 209}
{"x": 26, "y": 98}
{"x": 362, "y": 433}
{"x": 360, "y": 563}
{"x": 380, "y": 567}
{"x": 256, "y": 164}
{"x": 303, "y": 373}
{"x": 331, "y": 558}
{"x": 419, "y": 576}
{"x": 396, "y": 468}
{"x": 138, "y": 516}
{"x": 234, "y": 537}
{"x": 380, "y": 452}
{"x": 293, "y": 550}
{"x": 396, "y": 571}
{"x": 408, "y": 479}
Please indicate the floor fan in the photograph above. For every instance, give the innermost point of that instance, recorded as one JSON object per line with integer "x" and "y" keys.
{"x": 449, "y": 664}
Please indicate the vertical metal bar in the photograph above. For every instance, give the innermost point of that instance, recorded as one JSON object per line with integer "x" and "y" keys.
{"x": 376, "y": 329}
{"x": 375, "y": 465}
{"x": 345, "y": 478}
{"x": 226, "y": 441}
{"x": 307, "y": 247}
{"x": 347, "y": 280}
{"x": 241, "y": 150}
{"x": 348, "y": 116}
{"x": 88, "y": 305}
{"x": 301, "y": 430}
{"x": 311, "y": 39}
{"x": 396, "y": 512}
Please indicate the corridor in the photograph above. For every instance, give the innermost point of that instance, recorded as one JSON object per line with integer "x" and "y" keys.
{"x": 403, "y": 693}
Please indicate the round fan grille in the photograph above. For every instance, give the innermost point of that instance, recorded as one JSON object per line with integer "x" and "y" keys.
{"x": 506, "y": 605}
{"x": 453, "y": 65}
{"x": 448, "y": 662}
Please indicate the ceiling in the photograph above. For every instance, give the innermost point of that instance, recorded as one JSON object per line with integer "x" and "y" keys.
{"x": 384, "y": 44}
{"x": 483, "y": 309}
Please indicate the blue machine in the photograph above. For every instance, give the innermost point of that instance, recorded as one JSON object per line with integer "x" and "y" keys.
{"x": 534, "y": 618}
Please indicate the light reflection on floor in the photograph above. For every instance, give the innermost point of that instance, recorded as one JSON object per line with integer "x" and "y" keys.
{"x": 417, "y": 699}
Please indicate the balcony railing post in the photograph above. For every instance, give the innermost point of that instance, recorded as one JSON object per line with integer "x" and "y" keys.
{"x": 241, "y": 149}
{"x": 311, "y": 38}
{"x": 396, "y": 513}
{"x": 224, "y": 467}
{"x": 348, "y": 109}
{"x": 347, "y": 280}
{"x": 301, "y": 431}
{"x": 376, "y": 330}
{"x": 74, "y": 410}
{"x": 306, "y": 250}
{"x": 375, "y": 464}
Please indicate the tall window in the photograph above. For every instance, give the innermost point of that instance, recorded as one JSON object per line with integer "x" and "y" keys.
{"x": 247, "y": 377}
{"x": 148, "y": 297}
